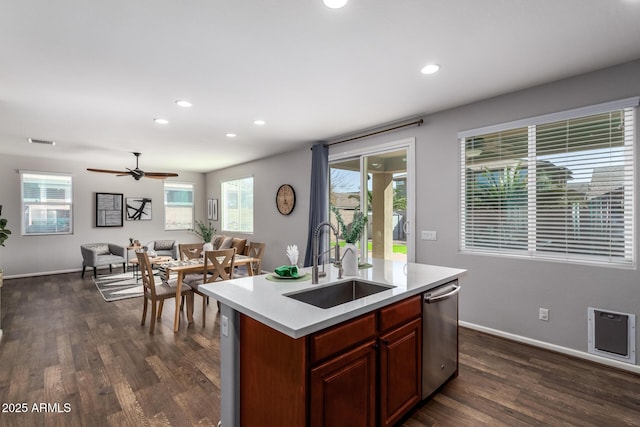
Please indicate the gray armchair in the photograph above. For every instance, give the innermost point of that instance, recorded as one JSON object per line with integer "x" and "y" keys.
{"x": 164, "y": 248}
{"x": 99, "y": 254}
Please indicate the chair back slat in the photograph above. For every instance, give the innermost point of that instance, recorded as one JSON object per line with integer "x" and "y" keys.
{"x": 256, "y": 250}
{"x": 190, "y": 251}
{"x": 218, "y": 265}
{"x": 147, "y": 273}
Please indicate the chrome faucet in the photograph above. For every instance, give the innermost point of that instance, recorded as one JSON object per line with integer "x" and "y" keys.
{"x": 316, "y": 233}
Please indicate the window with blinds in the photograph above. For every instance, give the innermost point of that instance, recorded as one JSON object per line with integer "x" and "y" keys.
{"x": 557, "y": 187}
{"x": 47, "y": 203}
{"x": 178, "y": 206}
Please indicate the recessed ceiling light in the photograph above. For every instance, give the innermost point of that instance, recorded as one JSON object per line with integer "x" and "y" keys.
{"x": 183, "y": 103}
{"x": 231, "y": 135}
{"x": 430, "y": 69}
{"x": 259, "y": 122}
{"x": 161, "y": 121}
{"x": 335, "y": 4}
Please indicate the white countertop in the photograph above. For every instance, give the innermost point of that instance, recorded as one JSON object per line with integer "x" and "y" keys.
{"x": 264, "y": 301}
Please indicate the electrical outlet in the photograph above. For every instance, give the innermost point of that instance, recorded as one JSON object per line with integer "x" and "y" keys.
{"x": 429, "y": 235}
{"x": 544, "y": 314}
{"x": 225, "y": 326}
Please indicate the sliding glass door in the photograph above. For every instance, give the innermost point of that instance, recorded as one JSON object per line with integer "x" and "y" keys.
{"x": 378, "y": 182}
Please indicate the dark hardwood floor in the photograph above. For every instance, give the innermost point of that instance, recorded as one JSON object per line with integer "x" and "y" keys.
{"x": 91, "y": 363}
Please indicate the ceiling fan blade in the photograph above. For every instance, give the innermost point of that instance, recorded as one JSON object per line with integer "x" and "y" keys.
{"x": 136, "y": 173}
{"x": 108, "y": 171}
{"x": 159, "y": 175}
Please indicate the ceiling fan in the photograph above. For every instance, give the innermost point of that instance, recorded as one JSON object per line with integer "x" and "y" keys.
{"x": 136, "y": 173}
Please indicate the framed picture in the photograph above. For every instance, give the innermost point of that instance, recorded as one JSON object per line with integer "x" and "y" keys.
{"x": 109, "y": 210}
{"x": 210, "y": 209}
{"x": 213, "y": 209}
{"x": 138, "y": 209}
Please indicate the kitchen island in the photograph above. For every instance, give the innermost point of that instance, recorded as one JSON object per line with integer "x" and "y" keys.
{"x": 291, "y": 326}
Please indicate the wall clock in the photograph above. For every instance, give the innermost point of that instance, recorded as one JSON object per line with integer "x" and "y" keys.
{"x": 285, "y": 199}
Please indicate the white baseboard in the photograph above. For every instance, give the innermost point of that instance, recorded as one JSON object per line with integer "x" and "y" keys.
{"x": 44, "y": 273}
{"x": 553, "y": 347}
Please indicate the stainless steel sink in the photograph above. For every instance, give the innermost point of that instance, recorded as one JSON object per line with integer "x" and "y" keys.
{"x": 340, "y": 293}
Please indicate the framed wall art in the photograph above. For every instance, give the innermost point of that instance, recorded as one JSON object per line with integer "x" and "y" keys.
{"x": 212, "y": 209}
{"x": 109, "y": 209}
{"x": 138, "y": 209}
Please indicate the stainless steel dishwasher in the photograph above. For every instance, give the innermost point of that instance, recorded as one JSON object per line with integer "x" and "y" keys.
{"x": 439, "y": 336}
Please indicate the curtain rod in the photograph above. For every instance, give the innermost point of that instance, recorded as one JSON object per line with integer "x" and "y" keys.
{"x": 414, "y": 123}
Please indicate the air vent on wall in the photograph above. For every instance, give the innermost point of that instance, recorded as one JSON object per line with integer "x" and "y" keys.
{"x": 41, "y": 141}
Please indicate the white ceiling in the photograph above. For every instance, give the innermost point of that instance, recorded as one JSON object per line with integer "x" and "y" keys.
{"x": 91, "y": 75}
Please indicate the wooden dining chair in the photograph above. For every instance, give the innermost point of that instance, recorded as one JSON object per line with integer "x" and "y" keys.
{"x": 156, "y": 294}
{"x": 188, "y": 251}
{"x": 218, "y": 266}
{"x": 256, "y": 250}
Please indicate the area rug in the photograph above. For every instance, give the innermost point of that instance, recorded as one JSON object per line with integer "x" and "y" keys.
{"x": 118, "y": 286}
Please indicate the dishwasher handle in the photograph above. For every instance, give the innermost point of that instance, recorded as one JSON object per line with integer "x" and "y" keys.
{"x": 451, "y": 291}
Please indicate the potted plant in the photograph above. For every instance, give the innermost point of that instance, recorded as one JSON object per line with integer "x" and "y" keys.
{"x": 351, "y": 234}
{"x": 206, "y": 232}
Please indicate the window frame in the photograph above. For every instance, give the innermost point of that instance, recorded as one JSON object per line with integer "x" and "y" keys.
{"x": 176, "y": 185}
{"x": 24, "y": 204}
{"x": 225, "y": 214}
{"x": 532, "y": 251}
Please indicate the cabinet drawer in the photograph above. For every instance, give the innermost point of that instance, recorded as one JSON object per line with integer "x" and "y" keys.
{"x": 342, "y": 336}
{"x": 400, "y": 312}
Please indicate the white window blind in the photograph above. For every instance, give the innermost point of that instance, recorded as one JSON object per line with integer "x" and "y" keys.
{"x": 560, "y": 189}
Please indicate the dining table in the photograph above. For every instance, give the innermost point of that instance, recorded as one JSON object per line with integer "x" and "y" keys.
{"x": 184, "y": 267}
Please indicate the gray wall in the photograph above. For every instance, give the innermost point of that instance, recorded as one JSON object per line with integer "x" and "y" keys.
{"x": 506, "y": 293}
{"x": 28, "y": 255}
{"x": 276, "y": 230}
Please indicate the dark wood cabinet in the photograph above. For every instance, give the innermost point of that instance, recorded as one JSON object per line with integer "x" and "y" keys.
{"x": 400, "y": 377}
{"x": 273, "y": 373}
{"x": 400, "y": 371}
{"x": 363, "y": 372}
{"x": 343, "y": 389}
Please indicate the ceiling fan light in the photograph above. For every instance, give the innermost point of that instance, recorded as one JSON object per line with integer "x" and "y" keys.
{"x": 335, "y": 4}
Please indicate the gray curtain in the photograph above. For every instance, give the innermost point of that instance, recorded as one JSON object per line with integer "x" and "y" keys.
{"x": 319, "y": 199}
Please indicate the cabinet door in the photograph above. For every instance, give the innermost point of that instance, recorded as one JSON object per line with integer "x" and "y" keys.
{"x": 400, "y": 371}
{"x": 343, "y": 389}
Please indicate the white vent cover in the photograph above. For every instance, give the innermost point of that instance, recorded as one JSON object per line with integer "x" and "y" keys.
{"x": 612, "y": 335}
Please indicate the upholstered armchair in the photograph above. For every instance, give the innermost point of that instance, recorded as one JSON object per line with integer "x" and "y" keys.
{"x": 98, "y": 254}
{"x": 164, "y": 248}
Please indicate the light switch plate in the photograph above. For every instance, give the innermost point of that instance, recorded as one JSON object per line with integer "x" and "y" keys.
{"x": 225, "y": 326}
{"x": 429, "y": 235}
